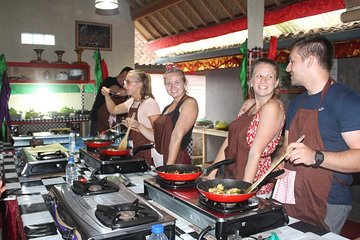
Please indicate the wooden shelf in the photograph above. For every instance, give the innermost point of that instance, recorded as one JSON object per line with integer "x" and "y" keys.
{"x": 208, "y": 132}
{"x": 47, "y": 73}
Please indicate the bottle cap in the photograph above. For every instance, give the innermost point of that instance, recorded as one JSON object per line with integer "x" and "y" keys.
{"x": 71, "y": 159}
{"x": 157, "y": 228}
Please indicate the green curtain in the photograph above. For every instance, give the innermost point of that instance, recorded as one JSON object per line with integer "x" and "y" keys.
{"x": 98, "y": 72}
{"x": 243, "y": 71}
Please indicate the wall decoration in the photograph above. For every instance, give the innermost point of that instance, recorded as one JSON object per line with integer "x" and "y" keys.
{"x": 93, "y": 35}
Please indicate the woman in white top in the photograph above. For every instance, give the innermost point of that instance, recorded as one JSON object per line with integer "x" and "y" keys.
{"x": 141, "y": 102}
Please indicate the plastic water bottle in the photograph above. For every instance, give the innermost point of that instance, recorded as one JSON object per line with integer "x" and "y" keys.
{"x": 71, "y": 171}
{"x": 157, "y": 233}
{"x": 72, "y": 144}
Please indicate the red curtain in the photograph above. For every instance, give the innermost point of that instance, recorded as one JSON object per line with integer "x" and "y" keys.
{"x": 297, "y": 10}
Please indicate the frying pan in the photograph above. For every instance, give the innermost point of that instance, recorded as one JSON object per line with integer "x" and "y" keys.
{"x": 204, "y": 186}
{"x": 98, "y": 143}
{"x": 187, "y": 172}
{"x": 114, "y": 151}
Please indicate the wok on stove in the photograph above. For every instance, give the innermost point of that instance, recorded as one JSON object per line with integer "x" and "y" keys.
{"x": 99, "y": 142}
{"x": 204, "y": 187}
{"x": 113, "y": 151}
{"x": 187, "y": 172}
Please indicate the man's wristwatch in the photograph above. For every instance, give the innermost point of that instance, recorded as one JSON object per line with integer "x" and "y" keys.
{"x": 319, "y": 158}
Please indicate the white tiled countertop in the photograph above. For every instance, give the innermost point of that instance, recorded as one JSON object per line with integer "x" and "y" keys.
{"x": 33, "y": 209}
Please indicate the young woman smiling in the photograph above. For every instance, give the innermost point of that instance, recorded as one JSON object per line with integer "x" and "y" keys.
{"x": 255, "y": 133}
{"x": 173, "y": 129}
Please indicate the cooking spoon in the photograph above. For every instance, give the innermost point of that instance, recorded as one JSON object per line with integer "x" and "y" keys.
{"x": 109, "y": 129}
{"x": 124, "y": 141}
{"x": 272, "y": 167}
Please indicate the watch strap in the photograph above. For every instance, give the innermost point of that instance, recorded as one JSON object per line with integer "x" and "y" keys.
{"x": 319, "y": 159}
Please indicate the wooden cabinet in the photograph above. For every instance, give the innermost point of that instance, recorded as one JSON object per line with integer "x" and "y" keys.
{"x": 52, "y": 73}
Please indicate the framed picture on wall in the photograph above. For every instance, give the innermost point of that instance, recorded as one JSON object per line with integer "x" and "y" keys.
{"x": 91, "y": 35}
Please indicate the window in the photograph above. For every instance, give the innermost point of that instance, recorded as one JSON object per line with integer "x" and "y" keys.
{"x": 37, "y": 38}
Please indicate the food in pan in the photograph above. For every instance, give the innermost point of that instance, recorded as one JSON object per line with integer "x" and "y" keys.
{"x": 178, "y": 172}
{"x": 220, "y": 189}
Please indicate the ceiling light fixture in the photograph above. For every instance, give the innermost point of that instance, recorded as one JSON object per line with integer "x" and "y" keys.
{"x": 106, "y": 4}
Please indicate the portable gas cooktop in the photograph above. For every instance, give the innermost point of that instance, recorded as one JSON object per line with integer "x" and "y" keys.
{"x": 43, "y": 159}
{"x": 113, "y": 164}
{"x": 252, "y": 216}
{"x": 110, "y": 211}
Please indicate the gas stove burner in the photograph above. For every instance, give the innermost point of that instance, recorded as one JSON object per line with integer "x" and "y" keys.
{"x": 51, "y": 155}
{"x": 247, "y": 205}
{"x": 114, "y": 164}
{"x": 43, "y": 160}
{"x": 105, "y": 216}
{"x": 94, "y": 187}
{"x": 175, "y": 184}
{"x": 258, "y": 216}
{"x": 125, "y": 214}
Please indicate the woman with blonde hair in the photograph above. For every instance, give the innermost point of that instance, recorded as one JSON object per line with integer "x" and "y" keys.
{"x": 173, "y": 129}
{"x": 256, "y": 132}
{"x": 141, "y": 102}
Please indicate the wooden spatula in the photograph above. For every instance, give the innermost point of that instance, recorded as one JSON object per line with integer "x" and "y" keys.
{"x": 124, "y": 141}
{"x": 272, "y": 167}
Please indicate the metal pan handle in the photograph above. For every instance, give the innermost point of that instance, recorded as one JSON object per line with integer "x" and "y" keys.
{"x": 214, "y": 166}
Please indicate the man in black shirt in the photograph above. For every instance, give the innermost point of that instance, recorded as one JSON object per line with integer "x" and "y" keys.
{"x": 99, "y": 114}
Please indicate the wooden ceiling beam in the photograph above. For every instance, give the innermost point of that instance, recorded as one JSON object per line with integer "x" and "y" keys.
{"x": 210, "y": 11}
{"x": 155, "y": 6}
{"x": 144, "y": 31}
{"x": 278, "y": 2}
{"x": 221, "y": 3}
{"x": 241, "y": 7}
{"x": 166, "y": 21}
{"x": 186, "y": 17}
{"x": 160, "y": 24}
{"x": 176, "y": 19}
{"x": 153, "y": 29}
{"x": 197, "y": 14}
{"x": 140, "y": 2}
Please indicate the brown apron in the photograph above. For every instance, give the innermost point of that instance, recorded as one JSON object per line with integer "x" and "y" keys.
{"x": 163, "y": 127}
{"x": 238, "y": 148}
{"x": 139, "y": 140}
{"x": 103, "y": 114}
{"x": 312, "y": 185}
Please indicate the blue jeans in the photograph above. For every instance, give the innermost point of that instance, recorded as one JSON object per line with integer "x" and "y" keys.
{"x": 336, "y": 216}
